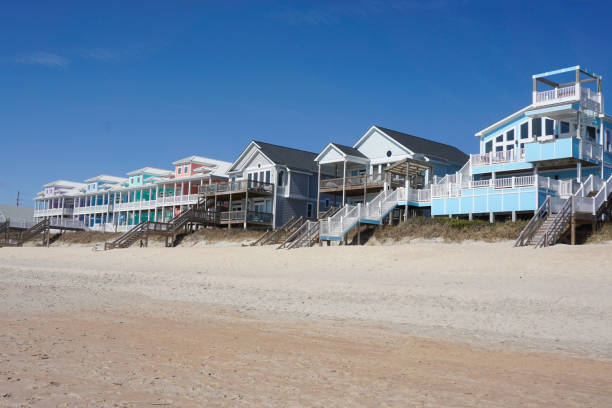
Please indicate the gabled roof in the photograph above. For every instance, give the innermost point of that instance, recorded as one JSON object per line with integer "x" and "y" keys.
{"x": 503, "y": 121}
{"x": 284, "y": 156}
{"x": 348, "y": 150}
{"x": 429, "y": 148}
{"x": 151, "y": 170}
{"x": 287, "y": 156}
{"x": 65, "y": 183}
{"x": 219, "y": 170}
{"x": 347, "y": 153}
{"x": 106, "y": 179}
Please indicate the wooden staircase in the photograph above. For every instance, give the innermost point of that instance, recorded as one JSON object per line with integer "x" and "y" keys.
{"x": 305, "y": 236}
{"x": 555, "y": 215}
{"x": 177, "y": 225}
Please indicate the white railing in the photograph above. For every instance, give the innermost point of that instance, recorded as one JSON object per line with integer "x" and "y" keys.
{"x": 454, "y": 190}
{"x": 414, "y": 195}
{"x": 374, "y": 210}
{"x": 91, "y": 209}
{"x": 602, "y": 194}
{"x": 566, "y": 92}
{"x": 591, "y": 100}
{"x": 568, "y": 187}
{"x": 508, "y": 156}
{"x": 68, "y": 223}
{"x": 49, "y": 212}
{"x": 590, "y": 150}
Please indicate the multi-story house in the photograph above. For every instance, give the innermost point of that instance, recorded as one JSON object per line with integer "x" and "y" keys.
{"x": 56, "y": 201}
{"x": 356, "y": 174}
{"x": 551, "y": 161}
{"x": 117, "y": 204}
{"x": 546, "y": 149}
{"x": 268, "y": 185}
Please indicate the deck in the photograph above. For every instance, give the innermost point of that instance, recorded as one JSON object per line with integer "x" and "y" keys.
{"x": 238, "y": 188}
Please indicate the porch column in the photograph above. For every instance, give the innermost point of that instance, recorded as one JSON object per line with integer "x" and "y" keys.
{"x": 246, "y": 207}
{"x": 602, "y": 139}
{"x": 319, "y": 191}
{"x": 344, "y": 185}
{"x": 229, "y": 214}
{"x": 406, "y": 186}
{"x": 578, "y": 171}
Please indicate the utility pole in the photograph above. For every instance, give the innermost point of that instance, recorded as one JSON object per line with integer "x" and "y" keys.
{"x": 18, "y": 199}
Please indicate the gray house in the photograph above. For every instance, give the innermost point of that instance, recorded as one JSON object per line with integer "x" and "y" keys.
{"x": 268, "y": 185}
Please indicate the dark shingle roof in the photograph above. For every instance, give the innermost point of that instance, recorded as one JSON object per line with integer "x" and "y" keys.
{"x": 431, "y": 149}
{"x": 351, "y": 151}
{"x": 286, "y": 156}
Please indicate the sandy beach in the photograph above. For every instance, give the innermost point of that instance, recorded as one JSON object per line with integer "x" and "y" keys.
{"x": 423, "y": 325}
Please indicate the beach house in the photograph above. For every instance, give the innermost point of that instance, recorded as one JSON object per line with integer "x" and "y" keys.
{"x": 549, "y": 162}
{"x": 355, "y": 174}
{"x": 268, "y": 185}
{"x": 110, "y": 203}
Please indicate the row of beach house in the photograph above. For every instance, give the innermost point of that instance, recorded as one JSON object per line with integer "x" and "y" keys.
{"x": 557, "y": 146}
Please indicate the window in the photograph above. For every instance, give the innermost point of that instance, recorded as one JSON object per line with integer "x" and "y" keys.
{"x": 489, "y": 146}
{"x": 590, "y": 130}
{"x": 179, "y": 170}
{"x": 309, "y": 210}
{"x": 268, "y": 176}
{"x": 550, "y": 127}
{"x": 522, "y": 145}
{"x": 525, "y": 130}
{"x": 499, "y": 139}
{"x": 510, "y": 135}
{"x": 509, "y": 147}
{"x": 255, "y": 177}
{"x": 536, "y": 127}
{"x": 327, "y": 203}
{"x": 186, "y": 169}
{"x": 281, "y": 175}
{"x": 389, "y": 153}
{"x": 564, "y": 127}
{"x": 499, "y": 148}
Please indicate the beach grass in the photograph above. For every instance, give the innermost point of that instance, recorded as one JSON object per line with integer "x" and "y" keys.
{"x": 450, "y": 230}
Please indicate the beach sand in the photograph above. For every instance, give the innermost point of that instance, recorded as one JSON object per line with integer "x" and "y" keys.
{"x": 417, "y": 325}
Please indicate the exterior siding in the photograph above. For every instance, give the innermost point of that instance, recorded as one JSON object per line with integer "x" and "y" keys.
{"x": 287, "y": 208}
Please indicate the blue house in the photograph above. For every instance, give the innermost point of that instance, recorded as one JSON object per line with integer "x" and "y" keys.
{"x": 550, "y": 162}
{"x": 548, "y": 148}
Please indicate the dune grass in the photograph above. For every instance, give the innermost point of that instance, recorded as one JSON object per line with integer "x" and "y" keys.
{"x": 603, "y": 234}
{"x": 450, "y": 230}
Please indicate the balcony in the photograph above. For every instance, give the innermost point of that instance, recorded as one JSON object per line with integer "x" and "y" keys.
{"x": 234, "y": 187}
{"x": 353, "y": 183}
{"x": 53, "y": 212}
{"x": 250, "y": 217}
{"x": 589, "y": 99}
{"x": 509, "y": 156}
{"x": 564, "y": 148}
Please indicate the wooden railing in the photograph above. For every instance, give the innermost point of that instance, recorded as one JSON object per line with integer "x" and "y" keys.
{"x": 251, "y": 217}
{"x": 353, "y": 181}
{"x": 261, "y": 187}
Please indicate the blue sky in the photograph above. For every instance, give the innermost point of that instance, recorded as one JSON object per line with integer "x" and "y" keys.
{"x": 115, "y": 86}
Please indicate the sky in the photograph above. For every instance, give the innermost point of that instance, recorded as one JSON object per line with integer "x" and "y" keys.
{"x": 91, "y": 88}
